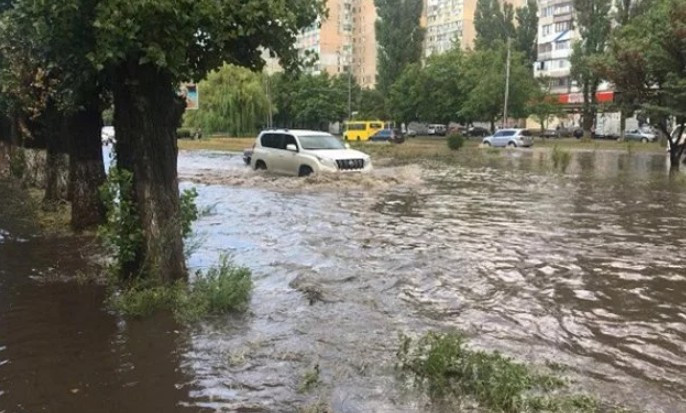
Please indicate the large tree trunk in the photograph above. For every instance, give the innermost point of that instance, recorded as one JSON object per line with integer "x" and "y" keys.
{"x": 622, "y": 124}
{"x": 147, "y": 113}
{"x": 86, "y": 168}
{"x": 56, "y": 163}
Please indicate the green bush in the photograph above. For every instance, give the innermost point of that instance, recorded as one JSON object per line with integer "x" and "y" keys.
{"x": 445, "y": 366}
{"x": 121, "y": 233}
{"x": 224, "y": 288}
{"x": 184, "y": 133}
{"x": 455, "y": 141}
{"x": 189, "y": 211}
{"x": 141, "y": 300}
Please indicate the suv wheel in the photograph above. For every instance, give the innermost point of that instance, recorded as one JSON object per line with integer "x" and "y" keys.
{"x": 305, "y": 171}
{"x": 512, "y": 145}
{"x": 260, "y": 165}
{"x": 644, "y": 140}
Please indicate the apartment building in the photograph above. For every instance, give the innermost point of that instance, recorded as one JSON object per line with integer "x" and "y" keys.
{"x": 556, "y": 35}
{"x": 451, "y": 22}
{"x": 343, "y": 42}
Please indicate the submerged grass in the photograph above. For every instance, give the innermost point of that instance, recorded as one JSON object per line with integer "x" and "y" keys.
{"x": 309, "y": 380}
{"x": 561, "y": 158}
{"x": 222, "y": 289}
{"x": 445, "y": 366}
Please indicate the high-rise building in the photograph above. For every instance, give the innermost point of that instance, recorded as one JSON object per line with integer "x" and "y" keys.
{"x": 556, "y": 35}
{"x": 447, "y": 23}
{"x": 344, "y": 42}
{"x": 450, "y": 23}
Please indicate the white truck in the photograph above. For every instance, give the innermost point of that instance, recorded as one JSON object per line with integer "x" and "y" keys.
{"x": 607, "y": 125}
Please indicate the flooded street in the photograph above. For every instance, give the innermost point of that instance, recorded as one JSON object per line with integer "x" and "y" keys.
{"x": 584, "y": 270}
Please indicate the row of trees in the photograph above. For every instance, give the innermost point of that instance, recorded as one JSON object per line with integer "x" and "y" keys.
{"x": 62, "y": 62}
{"x": 641, "y": 49}
{"x": 450, "y": 87}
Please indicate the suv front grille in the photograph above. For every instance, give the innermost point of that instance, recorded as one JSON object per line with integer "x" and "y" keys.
{"x": 350, "y": 164}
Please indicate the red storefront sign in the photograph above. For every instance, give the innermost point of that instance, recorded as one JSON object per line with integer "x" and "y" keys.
{"x": 577, "y": 98}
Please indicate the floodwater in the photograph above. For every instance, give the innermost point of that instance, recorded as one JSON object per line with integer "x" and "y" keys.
{"x": 585, "y": 269}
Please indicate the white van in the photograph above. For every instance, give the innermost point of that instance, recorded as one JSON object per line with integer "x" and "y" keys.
{"x": 437, "y": 130}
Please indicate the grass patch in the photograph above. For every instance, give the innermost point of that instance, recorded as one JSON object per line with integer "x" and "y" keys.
{"x": 309, "y": 380}
{"x": 445, "y": 366}
{"x": 315, "y": 407}
{"x": 222, "y": 289}
{"x": 561, "y": 158}
{"x": 217, "y": 144}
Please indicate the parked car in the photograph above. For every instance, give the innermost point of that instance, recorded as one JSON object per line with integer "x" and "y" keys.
{"x": 437, "y": 130}
{"x": 477, "y": 132}
{"x": 411, "y": 133}
{"x": 550, "y": 133}
{"x": 305, "y": 152}
{"x": 639, "y": 135}
{"x": 387, "y": 135}
{"x": 510, "y": 137}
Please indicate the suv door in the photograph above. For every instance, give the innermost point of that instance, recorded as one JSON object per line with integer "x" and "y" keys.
{"x": 288, "y": 162}
{"x": 270, "y": 147}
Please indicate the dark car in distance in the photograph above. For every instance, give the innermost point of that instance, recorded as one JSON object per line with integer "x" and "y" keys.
{"x": 387, "y": 135}
{"x": 477, "y": 132}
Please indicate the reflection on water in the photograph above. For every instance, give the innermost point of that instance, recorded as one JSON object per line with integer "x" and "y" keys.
{"x": 585, "y": 269}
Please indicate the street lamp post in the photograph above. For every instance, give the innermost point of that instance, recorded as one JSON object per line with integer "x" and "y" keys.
{"x": 507, "y": 82}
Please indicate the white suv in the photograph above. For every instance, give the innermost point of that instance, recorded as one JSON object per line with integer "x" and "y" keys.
{"x": 303, "y": 152}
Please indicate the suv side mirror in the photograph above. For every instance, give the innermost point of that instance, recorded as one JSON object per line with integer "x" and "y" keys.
{"x": 291, "y": 147}
{"x": 347, "y": 146}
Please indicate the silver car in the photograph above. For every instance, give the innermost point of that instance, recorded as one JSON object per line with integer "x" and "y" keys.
{"x": 510, "y": 137}
{"x": 639, "y": 135}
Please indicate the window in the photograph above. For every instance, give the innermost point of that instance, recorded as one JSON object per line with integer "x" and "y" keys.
{"x": 563, "y": 9}
{"x": 546, "y": 12}
{"x": 321, "y": 142}
{"x": 562, "y": 26}
{"x": 357, "y": 126}
{"x": 375, "y": 125}
{"x": 289, "y": 140}
{"x": 525, "y": 133}
{"x": 562, "y": 63}
{"x": 562, "y": 45}
{"x": 272, "y": 140}
{"x": 544, "y": 48}
{"x": 504, "y": 133}
{"x": 545, "y": 30}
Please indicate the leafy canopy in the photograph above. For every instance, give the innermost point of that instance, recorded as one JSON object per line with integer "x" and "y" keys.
{"x": 188, "y": 38}
{"x": 400, "y": 38}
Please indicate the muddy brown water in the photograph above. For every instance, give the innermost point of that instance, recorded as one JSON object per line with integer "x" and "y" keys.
{"x": 586, "y": 270}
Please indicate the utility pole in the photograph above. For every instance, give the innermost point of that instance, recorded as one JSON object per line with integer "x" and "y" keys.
{"x": 350, "y": 90}
{"x": 507, "y": 82}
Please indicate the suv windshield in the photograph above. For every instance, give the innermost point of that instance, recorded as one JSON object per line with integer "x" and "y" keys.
{"x": 314, "y": 143}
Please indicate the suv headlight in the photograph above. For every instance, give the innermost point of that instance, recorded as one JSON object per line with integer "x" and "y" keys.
{"x": 329, "y": 163}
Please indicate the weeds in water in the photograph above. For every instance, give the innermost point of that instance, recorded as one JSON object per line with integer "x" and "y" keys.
{"x": 224, "y": 288}
{"x": 316, "y": 407}
{"x": 309, "y": 380}
{"x": 444, "y": 366}
{"x": 561, "y": 158}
